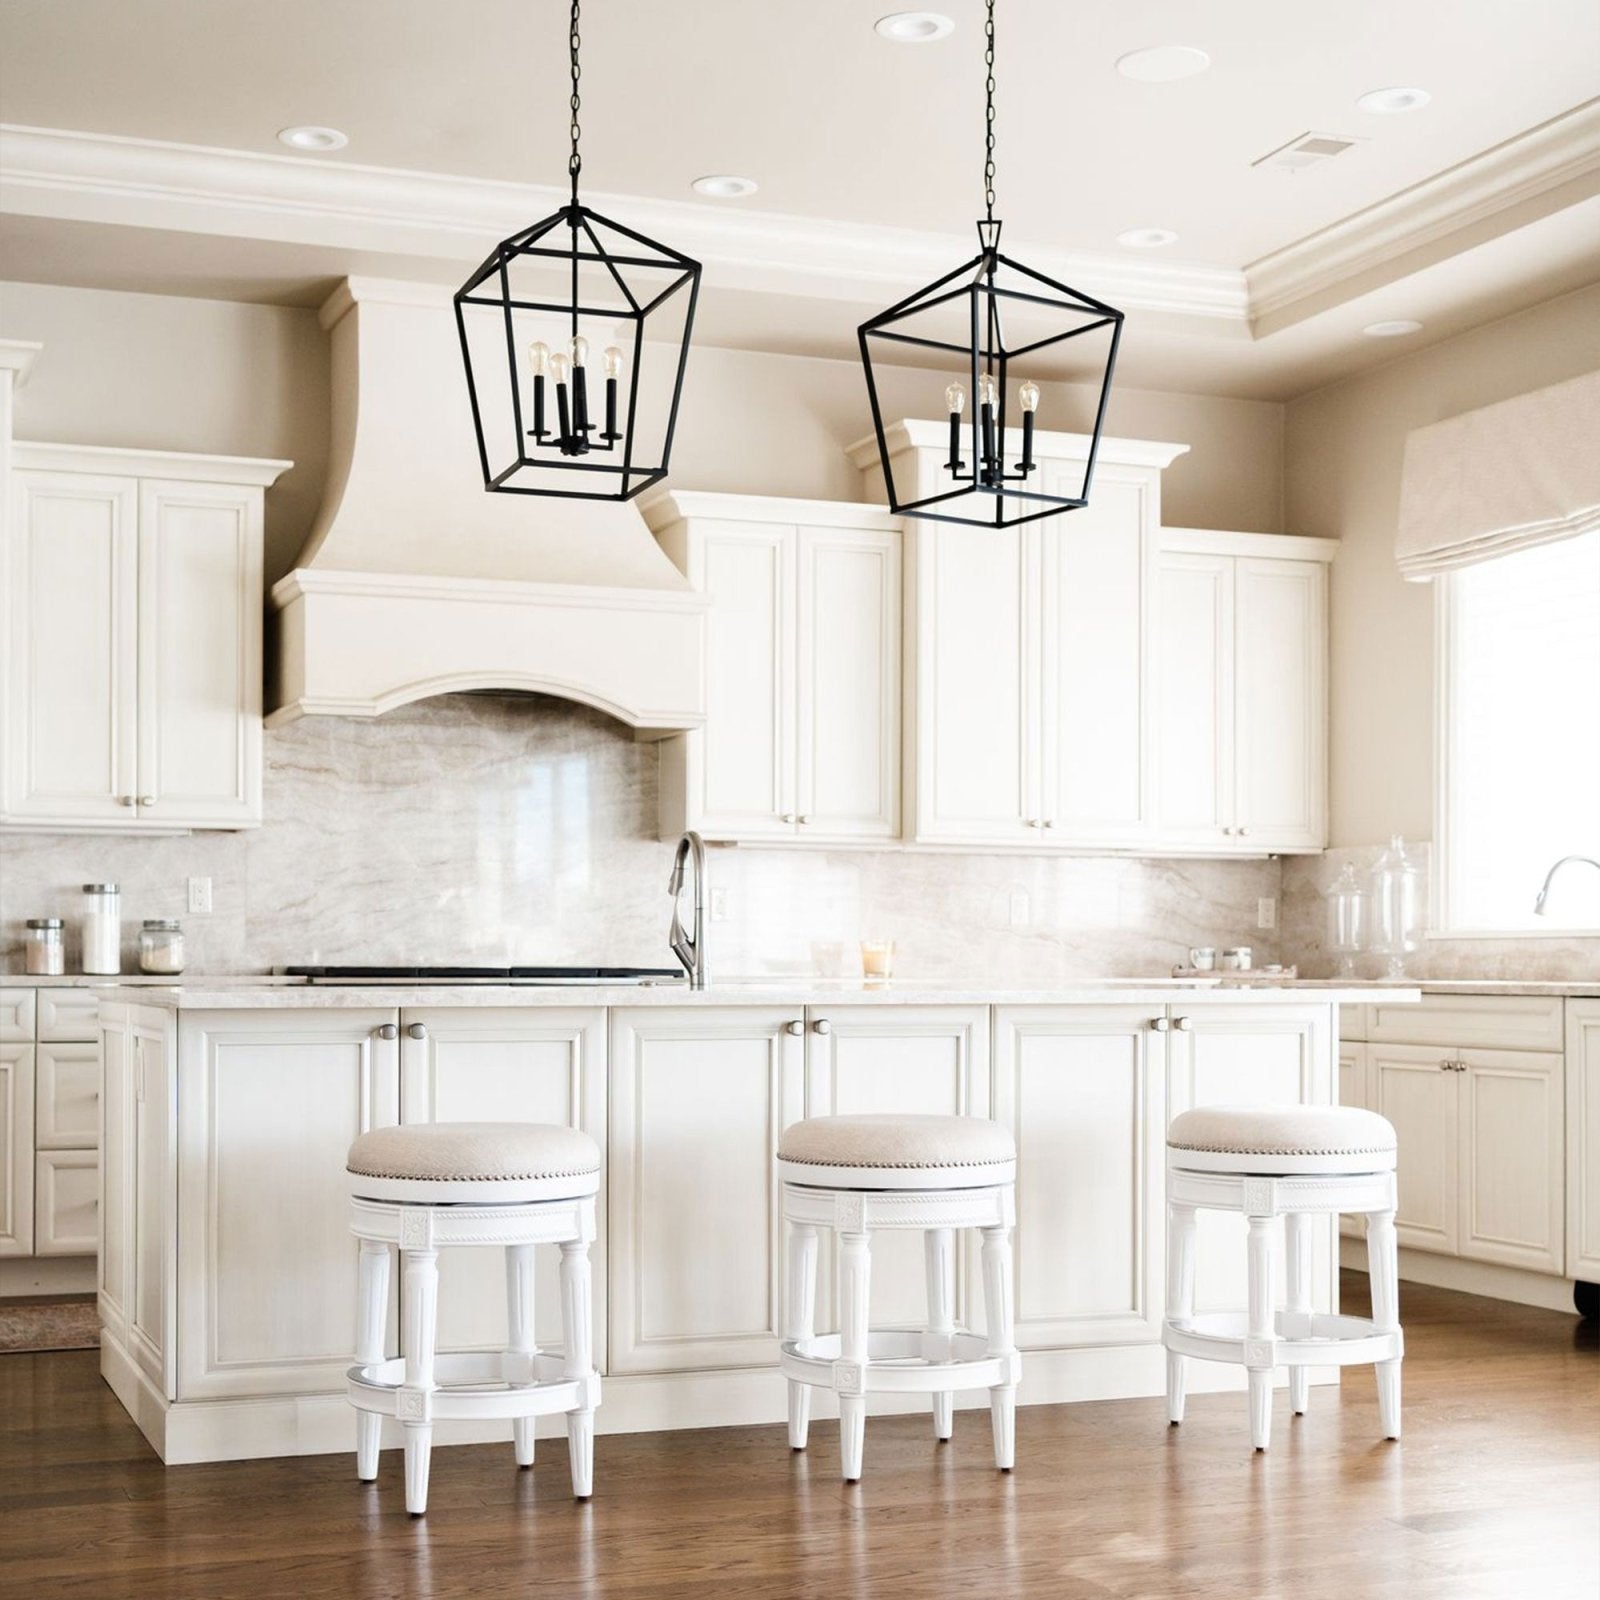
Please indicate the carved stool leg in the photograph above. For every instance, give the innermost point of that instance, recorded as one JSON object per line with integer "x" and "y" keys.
{"x": 420, "y": 1286}
{"x": 1383, "y": 1265}
{"x": 1180, "y": 1297}
{"x": 800, "y": 1316}
{"x": 1297, "y": 1270}
{"x": 520, "y": 1341}
{"x": 939, "y": 1252}
{"x": 999, "y": 1309}
{"x": 1259, "y": 1250}
{"x": 372, "y": 1316}
{"x": 855, "y": 1282}
{"x": 577, "y": 1332}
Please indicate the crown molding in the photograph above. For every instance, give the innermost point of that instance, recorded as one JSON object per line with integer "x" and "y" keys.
{"x": 1542, "y": 170}
{"x": 56, "y": 173}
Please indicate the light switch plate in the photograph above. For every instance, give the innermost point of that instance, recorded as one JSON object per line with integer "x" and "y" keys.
{"x": 719, "y": 905}
{"x": 1266, "y": 912}
{"x": 199, "y": 897}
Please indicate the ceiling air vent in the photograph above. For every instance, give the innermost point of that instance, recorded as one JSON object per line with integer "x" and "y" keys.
{"x": 1306, "y": 151}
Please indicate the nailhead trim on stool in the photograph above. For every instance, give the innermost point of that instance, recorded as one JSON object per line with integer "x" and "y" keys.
{"x": 429, "y": 1186}
{"x": 1297, "y": 1163}
{"x": 936, "y": 1174}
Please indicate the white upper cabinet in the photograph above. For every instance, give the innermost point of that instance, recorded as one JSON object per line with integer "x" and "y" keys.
{"x": 1241, "y": 721}
{"x": 131, "y": 654}
{"x": 1031, "y": 659}
{"x": 802, "y": 732}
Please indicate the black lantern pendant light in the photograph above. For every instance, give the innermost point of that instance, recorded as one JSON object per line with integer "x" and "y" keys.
{"x": 994, "y": 313}
{"x": 530, "y": 318}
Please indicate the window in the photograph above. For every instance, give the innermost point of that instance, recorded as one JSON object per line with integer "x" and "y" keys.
{"x": 1519, "y": 739}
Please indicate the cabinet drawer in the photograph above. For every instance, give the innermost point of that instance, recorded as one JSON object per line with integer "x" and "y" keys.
{"x": 16, "y": 1016}
{"x": 1354, "y": 1021}
{"x": 69, "y": 1015}
{"x": 1498, "y": 1022}
{"x": 67, "y": 1203}
{"x": 67, "y": 1096}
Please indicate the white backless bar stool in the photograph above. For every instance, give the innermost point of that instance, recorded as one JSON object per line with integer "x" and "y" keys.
{"x": 1294, "y": 1162}
{"x": 937, "y": 1174}
{"x": 423, "y": 1188}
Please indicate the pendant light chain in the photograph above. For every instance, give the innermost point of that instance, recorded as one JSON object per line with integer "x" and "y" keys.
{"x": 574, "y": 161}
{"x": 988, "y": 113}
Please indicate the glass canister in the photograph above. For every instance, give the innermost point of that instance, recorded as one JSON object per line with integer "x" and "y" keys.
{"x": 44, "y": 950}
{"x": 1347, "y": 919}
{"x": 161, "y": 946}
{"x": 1396, "y": 908}
{"x": 102, "y": 928}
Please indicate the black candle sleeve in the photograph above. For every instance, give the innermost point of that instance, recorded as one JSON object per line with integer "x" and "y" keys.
{"x": 580, "y": 406}
{"x": 1027, "y": 443}
{"x": 611, "y": 411}
{"x": 565, "y": 419}
{"x": 988, "y": 443}
{"x": 954, "y": 463}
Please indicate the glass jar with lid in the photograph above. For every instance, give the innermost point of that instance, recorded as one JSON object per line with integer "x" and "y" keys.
{"x": 161, "y": 946}
{"x": 44, "y": 952}
{"x": 102, "y": 929}
{"x": 1348, "y": 904}
{"x": 1396, "y": 907}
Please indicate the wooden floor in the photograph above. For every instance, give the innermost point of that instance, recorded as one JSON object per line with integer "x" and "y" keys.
{"x": 1495, "y": 1491}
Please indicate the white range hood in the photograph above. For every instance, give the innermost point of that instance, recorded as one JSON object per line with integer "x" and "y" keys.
{"x": 416, "y": 582}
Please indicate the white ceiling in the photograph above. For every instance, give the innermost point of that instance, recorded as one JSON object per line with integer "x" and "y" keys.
{"x": 841, "y": 127}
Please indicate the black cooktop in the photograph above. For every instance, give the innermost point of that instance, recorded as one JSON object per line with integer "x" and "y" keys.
{"x": 323, "y": 974}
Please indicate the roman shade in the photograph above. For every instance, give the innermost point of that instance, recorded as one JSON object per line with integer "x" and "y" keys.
{"x": 1503, "y": 478}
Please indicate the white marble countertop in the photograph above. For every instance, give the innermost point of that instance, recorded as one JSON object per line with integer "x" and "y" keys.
{"x": 211, "y": 995}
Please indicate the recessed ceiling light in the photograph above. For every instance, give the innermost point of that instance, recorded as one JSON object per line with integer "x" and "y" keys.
{"x": 1163, "y": 63}
{"x": 1394, "y": 328}
{"x": 914, "y": 27}
{"x": 724, "y": 186}
{"x": 1391, "y": 102}
{"x": 1147, "y": 238}
{"x": 310, "y": 137}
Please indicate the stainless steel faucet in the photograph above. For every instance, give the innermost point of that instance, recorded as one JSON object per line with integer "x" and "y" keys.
{"x": 689, "y": 948}
{"x": 1544, "y": 893}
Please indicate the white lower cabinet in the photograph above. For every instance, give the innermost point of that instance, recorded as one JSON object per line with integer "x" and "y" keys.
{"x": 16, "y": 1148}
{"x": 1414, "y": 1087}
{"x": 699, "y": 1098}
{"x": 268, "y": 1104}
{"x": 66, "y": 1202}
{"x": 1583, "y": 1140}
{"x": 1083, "y": 1091}
{"x": 512, "y": 1065}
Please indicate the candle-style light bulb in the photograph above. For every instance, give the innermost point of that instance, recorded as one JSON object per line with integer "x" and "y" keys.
{"x": 955, "y": 399}
{"x": 988, "y": 398}
{"x": 539, "y": 355}
{"x": 580, "y": 394}
{"x": 613, "y": 368}
{"x": 561, "y": 369}
{"x": 988, "y": 394}
{"x": 1028, "y": 394}
{"x": 613, "y": 361}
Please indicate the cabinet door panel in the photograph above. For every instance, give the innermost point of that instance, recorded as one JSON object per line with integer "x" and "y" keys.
{"x": 1413, "y": 1089}
{"x": 1097, "y": 661}
{"x": 66, "y": 1203}
{"x": 699, "y": 1098}
{"x": 1083, "y": 1091}
{"x": 68, "y": 1015}
{"x": 71, "y": 660}
{"x": 151, "y": 1188}
{"x": 848, "y": 671}
{"x": 269, "y": 1104}
{"x": 1194, "y": 744}
{"x": 506, "y": 1066}
{"x": 16, "y": 1149}
{"x": 1583, "y": 1139}
{"x": 199, "y": 654}
{"x": 67, "y": 1096}
{"x": 1280, "y": 632}
{"x": 977, "y": 685}
{"x": 116, "y": 1242}
{"x": 917, "y": 1059}
{"x": 746, "y": 751}
{"x": 1268, "y": 1056}
{"x": 1512, "y": 1151}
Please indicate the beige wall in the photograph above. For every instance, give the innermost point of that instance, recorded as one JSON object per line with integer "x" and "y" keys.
{"x": 1342, "y": 450}
{"x": 165, "y": 372}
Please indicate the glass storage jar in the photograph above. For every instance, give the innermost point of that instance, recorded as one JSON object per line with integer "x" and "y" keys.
{"x": 44, "y": 952}
{"x": 1347, "y": 919}
{"x": 102, "y": 929}
{"x": 1396, "y": 907}
{"x": 161, "y": 946}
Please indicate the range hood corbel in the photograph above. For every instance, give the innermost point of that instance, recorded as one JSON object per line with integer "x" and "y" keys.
{"x": 415, "y": 582}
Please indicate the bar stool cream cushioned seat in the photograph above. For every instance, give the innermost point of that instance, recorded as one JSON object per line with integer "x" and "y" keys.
{"x": 936, "y": 1174}
{"x": 427, "y": 1186}
{"x": 1296, "y": 1162}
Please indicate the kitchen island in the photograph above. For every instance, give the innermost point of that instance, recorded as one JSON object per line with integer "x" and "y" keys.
{"x": 227, "y": 1274}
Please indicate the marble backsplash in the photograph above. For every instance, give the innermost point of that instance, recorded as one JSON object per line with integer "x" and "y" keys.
{"x": 503, "y": 828}
{"x": 1303, "y": 922}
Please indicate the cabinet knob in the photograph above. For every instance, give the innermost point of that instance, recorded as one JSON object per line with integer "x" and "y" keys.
{"x": 147, "y": 799}
{"x": 1242, "y": 832}
{"x": 1228, "y": 831}
{"x": 1183, "y": 1024}
{"x": 796, "y": 1029}
{"x": 417, "y": 1030}
{"x": 802, "y": 819}
{"x": 1159, "y": 1024}
{"x": 1049, "y": 822}
{"x": 388, "y": 1031}
{"x": 127, "y": 800}
{"x": 822, "y": 1025}
{"x": 788, "y": 816}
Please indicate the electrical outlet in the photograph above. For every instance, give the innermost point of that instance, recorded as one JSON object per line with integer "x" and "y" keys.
{"x": 720, "y": 905}
{"x": 1266, "y": 912}
{"x": 199, "y": 897}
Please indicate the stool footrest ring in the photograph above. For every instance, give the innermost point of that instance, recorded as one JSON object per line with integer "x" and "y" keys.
{"x": 473, "y": 1385}
{"x": 896, "y": 1364}
{"x": 1299, "y": 1339}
